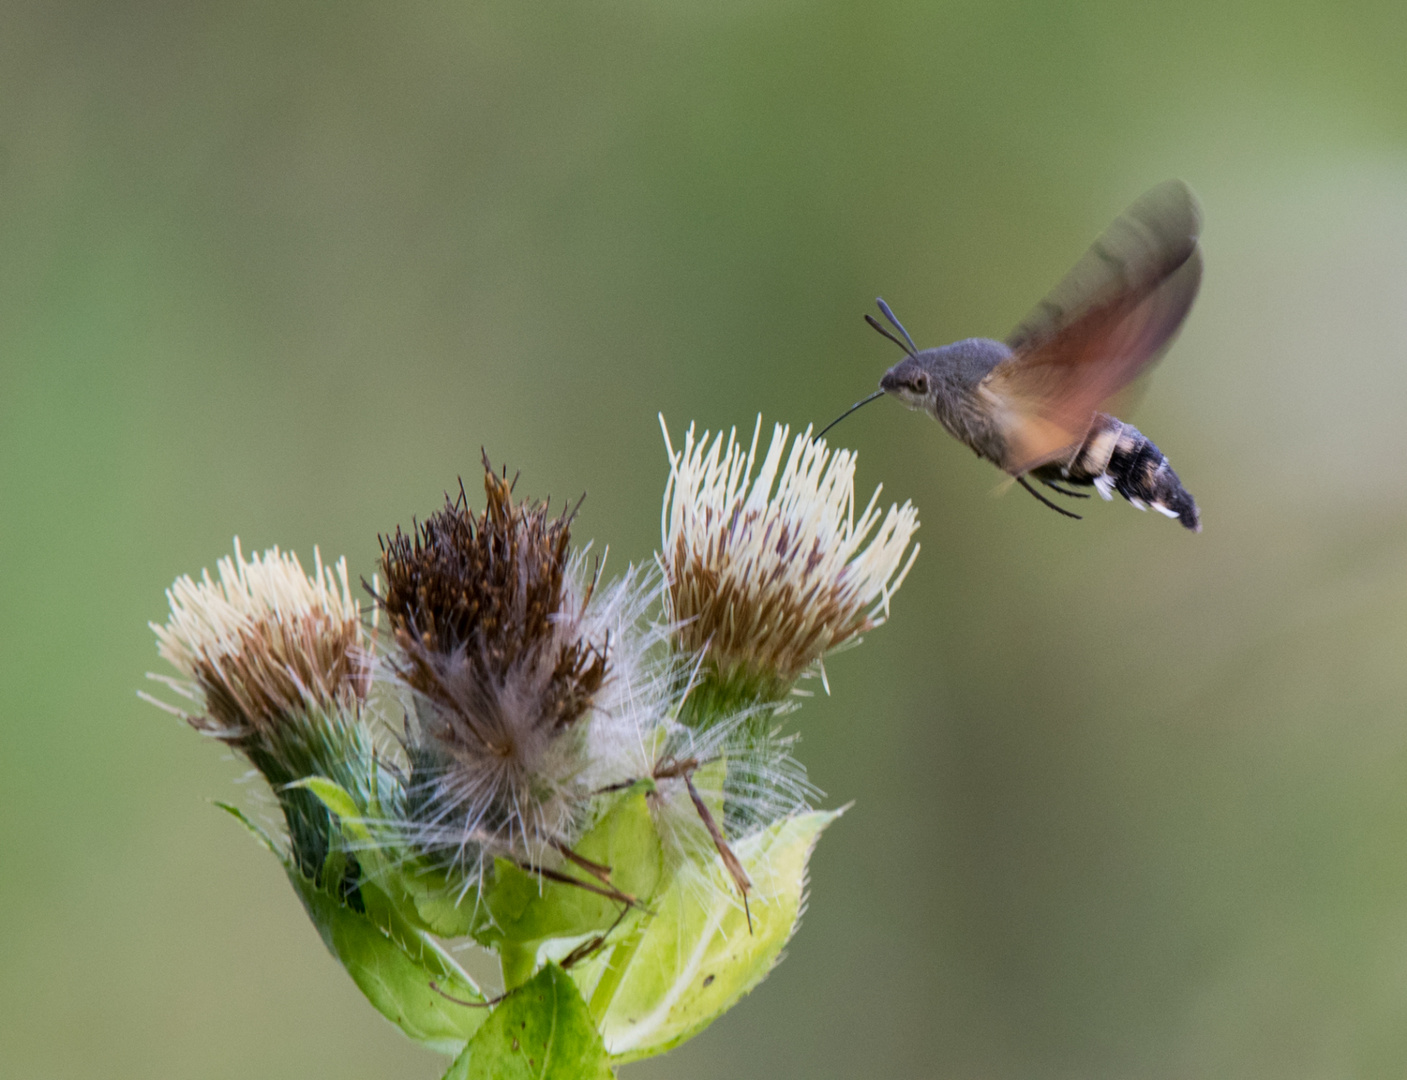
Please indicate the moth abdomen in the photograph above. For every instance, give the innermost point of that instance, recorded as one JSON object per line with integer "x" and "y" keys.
{"x": 1116, "y": 456}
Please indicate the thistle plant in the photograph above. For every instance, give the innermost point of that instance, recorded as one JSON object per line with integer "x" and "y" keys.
{"x": 591, "y": 779}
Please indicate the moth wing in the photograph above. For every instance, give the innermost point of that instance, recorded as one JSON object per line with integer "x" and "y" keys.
{"x": 1111, "y": 316}
{"x": 1146, "y": 243}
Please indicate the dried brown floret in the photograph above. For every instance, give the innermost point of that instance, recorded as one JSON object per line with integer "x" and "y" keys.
{"x": 489, "y": 589}
{"x": 490, "y": 625}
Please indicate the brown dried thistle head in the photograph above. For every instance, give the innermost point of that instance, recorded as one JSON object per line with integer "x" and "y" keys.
{"x": 493, "y": 638}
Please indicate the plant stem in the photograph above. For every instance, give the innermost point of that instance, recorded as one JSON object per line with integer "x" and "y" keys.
{"x": 517, "y": 962}
{"x": 609, "y": 983}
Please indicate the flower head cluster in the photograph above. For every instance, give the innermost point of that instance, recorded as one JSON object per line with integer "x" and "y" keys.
{"x": 769, "y": 571}
{"x": 598, "y": 764}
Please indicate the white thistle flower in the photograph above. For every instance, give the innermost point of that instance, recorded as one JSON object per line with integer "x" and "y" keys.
{"x": 769, "y": 571}
{"x": 280, "y": 667}
{"x": 265, "y": 640}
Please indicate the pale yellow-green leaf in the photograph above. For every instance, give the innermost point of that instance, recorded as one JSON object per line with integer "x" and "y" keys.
{"x": 685, "y": 965}
{"x": 527, "y": 909}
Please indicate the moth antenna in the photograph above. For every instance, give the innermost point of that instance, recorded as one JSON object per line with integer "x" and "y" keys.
{"x": 875, "y": 323}
{"x": 847, "y": 412}
{"x": 1041, "y": 498}
{"x": 897, "y": 324}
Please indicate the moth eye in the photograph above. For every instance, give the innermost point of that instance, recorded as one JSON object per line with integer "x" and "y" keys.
{"x": 920, "y": 384}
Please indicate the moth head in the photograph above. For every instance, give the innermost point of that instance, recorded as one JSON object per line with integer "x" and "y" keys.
{"x": 910, "y": 381}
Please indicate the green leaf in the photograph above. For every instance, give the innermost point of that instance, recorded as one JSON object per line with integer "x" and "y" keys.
{"x": 694, "y": 958}
{"x": 417, "y": 893}
{"x": 394, "y": 965}
{"x": 335, "y": 797}
{"x": 257, "y": 831}
{"x": 392, "y": 962}
{"x": 527, "y": 908}
{"x": 541, "y": 1031}
{"x": 438, "y": 907}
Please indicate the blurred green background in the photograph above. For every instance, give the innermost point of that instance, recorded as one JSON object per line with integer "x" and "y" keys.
{"x": 1129, "y": 802}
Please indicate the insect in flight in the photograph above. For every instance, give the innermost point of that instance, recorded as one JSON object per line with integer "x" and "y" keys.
{"x": 1030, "y": 405}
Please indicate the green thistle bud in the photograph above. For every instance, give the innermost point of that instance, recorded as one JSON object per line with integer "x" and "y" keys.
{"x": 279, "y": 664}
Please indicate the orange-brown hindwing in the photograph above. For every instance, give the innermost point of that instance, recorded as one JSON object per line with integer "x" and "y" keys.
{"x": 1111, "y": 316}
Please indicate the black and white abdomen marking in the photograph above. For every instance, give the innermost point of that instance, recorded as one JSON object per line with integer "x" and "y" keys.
{"x": 1116, "y": 456}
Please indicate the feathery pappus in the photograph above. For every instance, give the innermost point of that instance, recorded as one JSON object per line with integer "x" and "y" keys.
{"x": 529, "y": 688}
{"x": 1032, "y": 404}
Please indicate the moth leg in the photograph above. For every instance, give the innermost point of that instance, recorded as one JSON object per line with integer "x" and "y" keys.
{"x": 1064, "y": 491}
{"x": 1042, "y": 499}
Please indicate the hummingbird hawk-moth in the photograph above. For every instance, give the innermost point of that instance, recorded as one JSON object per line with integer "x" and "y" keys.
{"x": 1031, "y": 404}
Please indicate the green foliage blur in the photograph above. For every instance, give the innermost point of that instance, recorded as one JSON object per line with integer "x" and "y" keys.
{"x": 1128, "y": 802}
